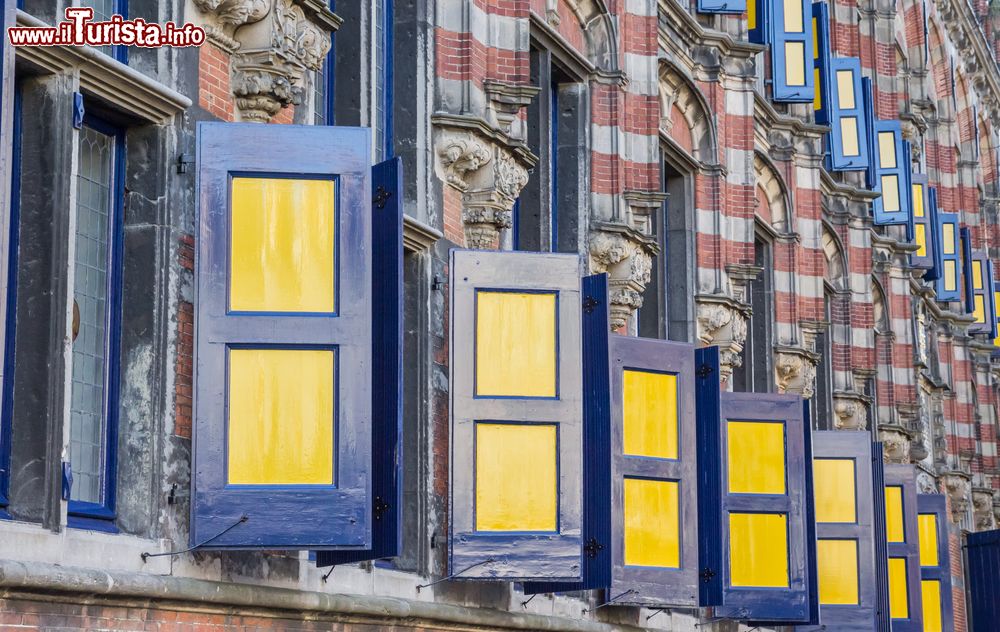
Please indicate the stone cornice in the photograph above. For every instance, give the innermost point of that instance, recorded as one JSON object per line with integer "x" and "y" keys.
{"x": 973, "y": 47}
{"x": 692, "y": 34}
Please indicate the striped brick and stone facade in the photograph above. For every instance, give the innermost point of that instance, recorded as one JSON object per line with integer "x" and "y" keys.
{"x": 707, "y": 204}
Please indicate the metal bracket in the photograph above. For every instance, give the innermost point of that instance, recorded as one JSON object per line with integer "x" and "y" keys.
{"x": 379, "y": 507}
{"x": 704, "y": 371}
{"x": 706, "y": 574}
{"x": 592, "y": 548}
{"x": 589, "y": 303}
{"x": 381, "y": 197}
{"x": 78, "y": 110}
{"x": 183, "y": 161}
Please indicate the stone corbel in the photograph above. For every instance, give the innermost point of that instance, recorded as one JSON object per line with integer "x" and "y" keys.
{"x": 506, "y": 100}
{"x": 723, "y": 322}
{"x": 276, "y": 42}
{"x": 926, "y": 483}
{"x": 958, "y": 486}
{"x": 490, "y": 176}
{"x": 642, "y": 208}
{"x": 982, "y": 509}
{"x": 849, "y": 411}
{"x": 627, "y": 257}
{"x": 895, "y": 443}
{"x": 795, "y": 371}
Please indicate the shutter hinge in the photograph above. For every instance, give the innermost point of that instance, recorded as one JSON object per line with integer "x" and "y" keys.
{"x": 175, "y": 495}
{"x": 379, "y": 507}
{"x": 592, "y": 548}
{"x": 78, "y": 110}
{"x": 706, "y": 574}
{"x": 183, "y": 161}
{"x": 704, "y": 371}
{"x": 381, "y": 196}
{"x": 589, "y": 303}
{"x": 67, "y": 480}
{"x": 437, "y": 283}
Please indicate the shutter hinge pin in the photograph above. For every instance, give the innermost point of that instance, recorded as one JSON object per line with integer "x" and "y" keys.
{"x": 589, "y": 303}
{"x": 704, "y": 371}
{"x": 379, "y": 507}
{"x": 183, "y": 161}
{"x": 592, "y": 547}
{"x": 381, "y": 196}
{"x": 437, "y": 283}
{"x": 706, "y": 574}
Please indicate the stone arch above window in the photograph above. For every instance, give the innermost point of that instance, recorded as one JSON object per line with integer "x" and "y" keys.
{"x": 836, "y": 261}
{"x": 685, "y": 115}
{"x": 595, "y": 23}
{"x": 772, "y": 195}
{"x": 880, "y": 309}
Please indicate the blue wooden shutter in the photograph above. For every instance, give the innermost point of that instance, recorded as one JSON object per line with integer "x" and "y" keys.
{"x": 935, "y": 563}
{"x": 516, "y": 416}
{"x": 387, "y": 369}
{"x": 948, "y": 286}
{"x": 722, "y": 6}
{"x": 845, "y": 530}
{"x": 892, "y": 162}
{"x": 921, "y": 224}
{"x": 978, "y": 278}
{"x": 821, "y": 62}
{"x": 868, "y": 103}
{"x": 903, "y": 549}
{"x": 283, "y": 338}
{"x": 763, "y": 490}
{"x": 982, "y": 566}
{"x": 933, "y": 273}
{"x": 848, "y": 128}
{"x": 791, "y": 51}
{"x": 758, "y": 15}
{"x": 596, "y": 569}
{"x": 883, "y": 623}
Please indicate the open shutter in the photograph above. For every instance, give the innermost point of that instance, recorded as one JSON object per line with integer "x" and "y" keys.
{"x": 921, "y": 220}
{"x": 282, "y": 447}
{"x": 758, "y": 15}
{"x": 933, "y": 235}
{"x": 868, "y": 105}
{"x": 892, "y": 173}
{"x": 821, "y": 61}
{"x": 848, "y": 130}
{"x": 883, "y": 622}
{"x": 996, "y": 314}
{"x": 982, "y": 559}
{"x": 947, "y": 287}
{"x": 935, "y": 563}
{"x": 845, "y": 530}
{"x": 757, "y": 548}
{"x": 387, "y": 367}
{"x": 722, "y": 6}
{"x": 978, "y": 277}
{"x": 596, "y": 560}
{"x": 791, "y": 50}
{"x": 516, "y": 416}
{"x": 903, "y": 548}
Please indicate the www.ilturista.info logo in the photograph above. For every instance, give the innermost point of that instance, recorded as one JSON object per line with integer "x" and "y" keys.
{"x": 79, "y": 29}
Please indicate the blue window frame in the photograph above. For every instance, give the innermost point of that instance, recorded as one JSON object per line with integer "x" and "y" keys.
{"x": 935, "y": 562}
{"x": 7, "y": 401}
{"x": 722, "y": 6}
{"x": 323, "y": 502}
{"x": 903, "y": 548}
{"x": 882, "y": 621}
{"x": 738, "y": 504}
{"x": 948, "y": 286}
{"x": 842, "y": 465}
{"x": 382, "y": 92}
{"x": 848, "y": 127}
{"x": 892, "y": 174}
{"x": 791, "y": 42}
{"x": 921, "y": 227}
{"x": 977, "y": 273}
{"x": 97, "y": 279}
{"x": 103, "y": 10}
{"x": 821, "y": 61}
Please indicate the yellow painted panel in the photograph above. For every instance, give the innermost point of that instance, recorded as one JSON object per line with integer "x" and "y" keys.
{"x": 283, "y": 252}
{"x": 515, "y": 344}
{"x": 930, "y": 591}
{"x": 950, "y": 275}
{"x": 795, "y": 63}
{"x": 927, "y": 527}
{"x": 838, "y": 571}
{"x": 756, "y": 457}
{"x": 281, "y": 423}
{"x": 886, "y": 150}
{"x": 890, "y": 193}
{"x": 977, "y": 275}
{"x": 920, "y": 236}
{"x": 918, "y": 200}
{"x": 649, "y": 421}
{"x": 849, "y": 136}
{"x": 894, "y": 531}
{"x": 834, "y": 482}
{"x": 751, "y": 14}
{"x": 815, "y": 28}
{"x": 794, "y": 22}
{"x": 845, "y": 90}
{"x": 948, "y": 237}
{"x": 516, "y": 477}
{"x": 979, "y": 308}
{"x": 818, "y": 93}
{"x": 758, "y": 550}
{"x": 899, "y": 600}
{"x": 652, "y": 523}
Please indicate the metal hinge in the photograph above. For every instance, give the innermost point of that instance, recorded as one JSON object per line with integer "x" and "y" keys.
{"x": 381, "y": 197}
{"x": 589, "y": 303}
{"x": 592, "y": 547}
{"x": 704, "y": 371}
{"x": 379, "y": 507}
{"x": 706, "y": 574}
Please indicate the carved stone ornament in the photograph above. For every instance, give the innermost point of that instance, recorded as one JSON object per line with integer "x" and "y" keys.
{"x": 895, "y": 443}
{"x": 795, "y": 372}
{"x": 849, "y": 412}
{"x": 926, "y": 483}
{"x": 490, "y": 177}
{"x": 627, "y": 259}
{"x": 958, "y": 486}
{"x": 982, "y": 509}
{"x": 724, "y": 324}
{"x": 279, "y": 41}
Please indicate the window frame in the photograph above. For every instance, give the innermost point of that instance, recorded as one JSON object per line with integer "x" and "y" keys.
{"x": 10, "y": 323}
{"x": 839, "y": 161}
{"x": 901, "y": 170}
{"x": 82, "y": 514}
{"x": 328, "y": 75}
{"x": 942, "y": 293}
{"x": 904, "y": 476}
{"x": 119, "y": 7}
{"x": 936, "y": 505}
